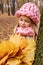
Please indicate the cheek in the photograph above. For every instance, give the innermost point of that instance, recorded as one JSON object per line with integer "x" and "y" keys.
{"x": 27, "y": 24}
{"x": 19, "y": 22}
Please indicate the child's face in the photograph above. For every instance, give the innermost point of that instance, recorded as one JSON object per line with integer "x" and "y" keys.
{"x": 24, "y": 21}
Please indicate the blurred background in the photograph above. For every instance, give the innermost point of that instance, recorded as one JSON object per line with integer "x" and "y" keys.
{"x": 9, "y": 7}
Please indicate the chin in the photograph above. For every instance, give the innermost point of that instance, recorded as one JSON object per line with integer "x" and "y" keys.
{"x": 22, "y": 26}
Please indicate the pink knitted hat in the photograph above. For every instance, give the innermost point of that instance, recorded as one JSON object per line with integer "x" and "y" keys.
{"x": 30, "y": 10}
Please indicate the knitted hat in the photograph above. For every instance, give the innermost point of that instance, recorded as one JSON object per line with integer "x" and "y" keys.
{"x": 30, "y": 10}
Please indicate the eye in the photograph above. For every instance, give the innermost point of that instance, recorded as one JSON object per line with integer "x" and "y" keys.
{"x": 26, "y": 21}
{"x": 21, "y": 19}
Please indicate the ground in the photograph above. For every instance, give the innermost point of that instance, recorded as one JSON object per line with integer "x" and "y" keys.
{"x": 7, "y": 24}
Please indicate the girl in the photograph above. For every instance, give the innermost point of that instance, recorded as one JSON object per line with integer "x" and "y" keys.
{"x": 28, "y": 25}
{"x": 28, "y": 20}
{"x": 23, "y": 43}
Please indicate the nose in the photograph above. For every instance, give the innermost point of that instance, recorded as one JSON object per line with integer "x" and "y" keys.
{"x": 23, "y": 22}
